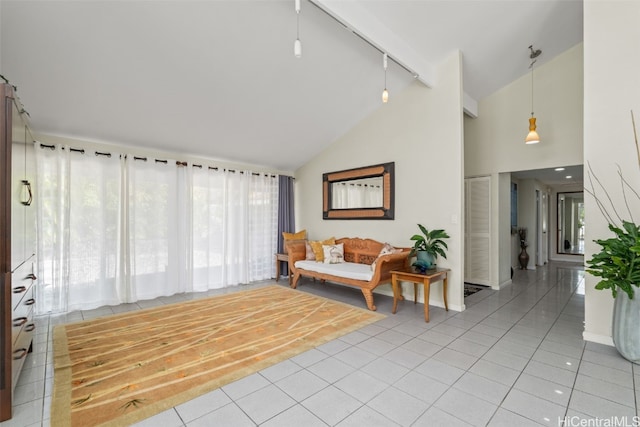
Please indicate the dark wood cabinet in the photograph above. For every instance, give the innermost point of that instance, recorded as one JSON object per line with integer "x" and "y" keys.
{"x": 17, "y": 244}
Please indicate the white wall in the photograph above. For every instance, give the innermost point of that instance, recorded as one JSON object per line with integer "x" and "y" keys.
{"x": 611, "y": 90}
{"x": 503, "y": 270}
{"x": 494, "y": 142}
{"x": 527, "y": 216}
{"x": 420, "y": 130}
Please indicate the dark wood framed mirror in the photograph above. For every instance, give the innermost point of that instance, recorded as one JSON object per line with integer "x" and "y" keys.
{"x": 571, "y": 223}
{"x": 360, "y": 193}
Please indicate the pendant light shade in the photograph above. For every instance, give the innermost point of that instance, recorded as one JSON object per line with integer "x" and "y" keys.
{"x": 532, "y": 137}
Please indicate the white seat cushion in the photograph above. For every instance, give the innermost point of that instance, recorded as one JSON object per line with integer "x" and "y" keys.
{"x": 350, "y": 270}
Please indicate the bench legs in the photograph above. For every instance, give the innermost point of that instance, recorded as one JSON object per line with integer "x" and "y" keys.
{"x": 294, "y": 283}
{"x": 368, "y": 294}
{"x": 368, "y": 297}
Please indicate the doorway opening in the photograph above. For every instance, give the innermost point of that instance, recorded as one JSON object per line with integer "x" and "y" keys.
{"x": 570, "y": 237}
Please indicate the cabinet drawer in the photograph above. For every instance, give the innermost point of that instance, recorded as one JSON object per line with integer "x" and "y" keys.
{"x": 22, "y": 315}
{"x": 21, "y": 348}
{"x": 21, "y": 283}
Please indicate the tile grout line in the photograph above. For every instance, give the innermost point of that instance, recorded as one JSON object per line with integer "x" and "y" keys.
{"x": 530, "y": 358}
{"x": 538, "y": 347}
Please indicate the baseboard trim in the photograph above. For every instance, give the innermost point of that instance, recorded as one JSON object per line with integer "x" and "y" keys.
{"x": 408, "y": 293}
{"x": 456, "y": 307}
{"x": 503, "y": 284}
{"x": 597, "y": 338}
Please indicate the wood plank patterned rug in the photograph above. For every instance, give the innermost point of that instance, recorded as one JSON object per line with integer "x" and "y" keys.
{"x": 121, "y": 369}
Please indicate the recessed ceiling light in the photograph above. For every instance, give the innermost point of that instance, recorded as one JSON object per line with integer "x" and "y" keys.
{"x": 559, "y": 169}
{"x": 568, "y": 177}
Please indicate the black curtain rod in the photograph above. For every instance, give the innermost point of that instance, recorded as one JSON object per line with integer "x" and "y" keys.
{"x": 179, "y": 163}
{"x": 73, "y": 150}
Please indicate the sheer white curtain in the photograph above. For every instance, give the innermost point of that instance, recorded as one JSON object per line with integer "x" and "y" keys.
{"x": 355, "y": 196}
{"x": 372, "y": 196}
{"x": 339, "y": 195}
{"x": 52, "y": 204}
{"x": 114, "y": 229}
{"x": 263, "y": 219}
{"x": 234, "y": 220}
{"x": 152, "y": 220}
{"x": 78, "y": 208}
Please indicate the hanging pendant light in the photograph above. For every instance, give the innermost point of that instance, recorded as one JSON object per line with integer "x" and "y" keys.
{"x": 532, "y": 136}
{"x": 385, "y": 92}
{"x": 297, "y": 45}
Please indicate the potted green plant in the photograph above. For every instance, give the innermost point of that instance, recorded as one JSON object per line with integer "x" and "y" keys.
{"x": 618, "y": 263}
{"x": 427, "y": 246}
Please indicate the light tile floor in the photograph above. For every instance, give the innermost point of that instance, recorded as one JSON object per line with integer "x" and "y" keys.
{"x": 515, "y": 357}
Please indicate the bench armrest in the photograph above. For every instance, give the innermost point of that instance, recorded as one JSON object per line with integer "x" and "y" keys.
{"x": 297, "y": 250}
{"x": 387, "y": 263}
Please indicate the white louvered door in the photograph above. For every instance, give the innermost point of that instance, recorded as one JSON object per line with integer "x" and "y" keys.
{"x": 478, "y": 230}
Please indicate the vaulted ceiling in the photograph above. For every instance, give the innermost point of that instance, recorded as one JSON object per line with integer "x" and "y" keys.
{"x": 219, "y": 78}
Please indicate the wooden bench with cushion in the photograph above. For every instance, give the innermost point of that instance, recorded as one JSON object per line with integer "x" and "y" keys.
{"x": 359, "y": 255}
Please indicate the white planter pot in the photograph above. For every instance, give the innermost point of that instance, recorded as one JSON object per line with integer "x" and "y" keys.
{"x": 626, "y": 325}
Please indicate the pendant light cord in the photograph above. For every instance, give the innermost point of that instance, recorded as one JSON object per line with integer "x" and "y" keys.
{"x": 384, "y": 65}
{"x": 532, "y": 88}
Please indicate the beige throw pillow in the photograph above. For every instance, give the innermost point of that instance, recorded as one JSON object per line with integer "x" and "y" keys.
{"x": 316, "y": 245}
{"x": 310, "y": 255}
{"x": 333, "y": 254}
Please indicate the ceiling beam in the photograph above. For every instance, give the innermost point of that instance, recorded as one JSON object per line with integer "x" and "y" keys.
{"x": 359, "y": 21}
{"x": 470, "y": 106}
{"x": 362, "y": 23}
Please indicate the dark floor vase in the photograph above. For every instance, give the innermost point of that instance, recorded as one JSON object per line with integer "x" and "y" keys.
{"x": 626, "y": 318}
{"x": 523, "y": 258}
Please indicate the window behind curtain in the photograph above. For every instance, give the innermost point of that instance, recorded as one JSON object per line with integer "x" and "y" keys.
{"x": 117, "y": 230}
{"x": 78, "y": 208}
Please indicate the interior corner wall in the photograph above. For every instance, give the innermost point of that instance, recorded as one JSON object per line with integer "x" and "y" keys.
{"x": 503, "y": 236}
{"x": 421, "y": 130}
{"x": 611, "y": 90}
{"x": 527, "y": 216}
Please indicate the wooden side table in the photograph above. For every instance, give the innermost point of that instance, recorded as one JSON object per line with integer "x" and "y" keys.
{"x": 282, "y": 258}
{"x": 409, "y": 274}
